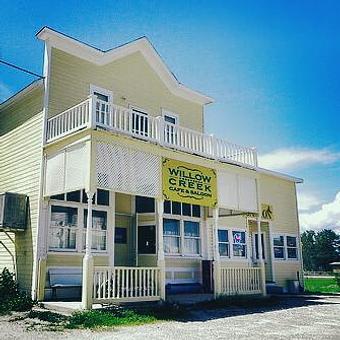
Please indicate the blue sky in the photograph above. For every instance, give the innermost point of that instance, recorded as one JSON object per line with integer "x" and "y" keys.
{"x": 272, "y": 67}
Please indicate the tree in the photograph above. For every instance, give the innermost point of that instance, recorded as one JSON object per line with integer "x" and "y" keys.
{"x": 319, "y": 249}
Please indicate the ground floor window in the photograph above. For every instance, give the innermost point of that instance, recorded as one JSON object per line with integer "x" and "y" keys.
{"x": 64, "y": 226}
{"x": 232, "y": 243}
{"x": 239, "y": 244}
{"x": 285, "y": 247}
{"x": 223, "y": 242}
{"x": 181, "y": 237}
{"x": 99, "y": 230}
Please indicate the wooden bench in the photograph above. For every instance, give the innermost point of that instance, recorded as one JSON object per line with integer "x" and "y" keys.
{"x": 64, "y": 278}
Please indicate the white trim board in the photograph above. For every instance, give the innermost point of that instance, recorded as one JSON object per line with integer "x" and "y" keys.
{"x": 99, "y": 57}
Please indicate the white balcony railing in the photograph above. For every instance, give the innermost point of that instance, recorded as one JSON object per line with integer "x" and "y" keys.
{"x": 93, "y": 113}
{"x": 126, "y": 284}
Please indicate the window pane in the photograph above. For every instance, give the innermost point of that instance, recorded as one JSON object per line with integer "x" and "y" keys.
{"x": 291, "y": 241}
{"x": 103, "y": 197}
{"x": 99, "y": 219}
{"x": 171, "y": 227}
{"x": 60, "y": 197}
{"x": 73, "y": 196}
{"x": 196, "y": 210}
{"x": 279, "y": 253}
{"x": 171, "y": 244}
{"x": 191, "y": 229}
{"x": 120, "y": 235}
{"x": 176, "y": 208}
{"x": 224, "y": 249}
{"x": 191, "y": 246}
{"x": 145, "y": 204}
{"x": 292, "y": 253}
{"x": 63, "y": 227}
{"x": 101, "y": 96}
{"x": 222, "y": 235}
{"x": 239, "y": 250}
{"x": 239, "y": 237}
{"x": 167, "y": 207}
{"x": 278, "y": 241}
{"x": 170, "y": 119}
{"x": 64, "y": 216}
{"x": 147, "y": 239}
{"x": 186, "y": 209}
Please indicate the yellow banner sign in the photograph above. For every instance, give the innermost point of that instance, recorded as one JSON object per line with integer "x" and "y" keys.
{"x": 267, "y": 211}
{"x": 189, "y": 183}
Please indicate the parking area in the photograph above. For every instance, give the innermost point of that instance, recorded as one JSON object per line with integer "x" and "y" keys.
{"x": 316, "y": 317}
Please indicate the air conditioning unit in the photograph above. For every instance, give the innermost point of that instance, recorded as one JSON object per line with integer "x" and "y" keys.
{"x": 13, "y": 211}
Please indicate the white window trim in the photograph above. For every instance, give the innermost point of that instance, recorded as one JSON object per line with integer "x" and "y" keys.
{"x": 229, "y": 248}
{"x": 105, "y": 92}
{"x": 138, "y": 108}
{"x": 231, "y": 256}
{"x": 181, "y": 220}
{"x": 285, "y": 251}
{"x": 80, "y": 225}
{"x": 170, "y": 114}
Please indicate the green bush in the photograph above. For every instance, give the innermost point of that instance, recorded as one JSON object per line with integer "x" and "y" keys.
{"x": 11, "y": 299}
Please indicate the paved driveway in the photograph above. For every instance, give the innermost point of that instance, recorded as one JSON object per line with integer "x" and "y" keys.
{"x": 294, "y": 318}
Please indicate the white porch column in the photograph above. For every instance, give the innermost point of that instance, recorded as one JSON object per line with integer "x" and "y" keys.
{"x": 160, "y": 250}
{"x": 111, "y": 234}
{"x": 259, "y": 242}
{"x": 88, "y": 258}
{"x": 217, "y": 264}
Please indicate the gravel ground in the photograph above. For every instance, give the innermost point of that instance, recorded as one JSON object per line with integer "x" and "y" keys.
{"x": 294, "y": 318}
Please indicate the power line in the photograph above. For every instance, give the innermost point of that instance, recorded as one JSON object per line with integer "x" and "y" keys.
{"x": 21, "y": 69}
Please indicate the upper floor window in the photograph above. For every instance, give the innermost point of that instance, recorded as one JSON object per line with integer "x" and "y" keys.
{"x": 104, "y": 98}
{"x": 101, "y": 197}
{"x": 170, "y": 130}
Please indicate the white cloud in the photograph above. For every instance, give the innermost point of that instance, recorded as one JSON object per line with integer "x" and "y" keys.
{"x": 284, "y": 159}
{"x": 328, "y": 216}
{"x": 5, "y": 91}
{"x": 307, "y": 201}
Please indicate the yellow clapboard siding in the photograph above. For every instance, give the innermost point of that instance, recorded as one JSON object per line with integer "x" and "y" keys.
{"x": 130, "y": 77}
{"x": 20, "y": 166}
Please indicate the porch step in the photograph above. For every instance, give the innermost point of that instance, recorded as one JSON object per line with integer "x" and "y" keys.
{"x": 189, "y": 299}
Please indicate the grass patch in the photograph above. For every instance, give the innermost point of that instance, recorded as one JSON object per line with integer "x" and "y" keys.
{"x": 106, "y": 318}
{"x": 321, "y": 285}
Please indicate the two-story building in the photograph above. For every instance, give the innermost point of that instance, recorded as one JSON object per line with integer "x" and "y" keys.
{"x": 128, "y": 199}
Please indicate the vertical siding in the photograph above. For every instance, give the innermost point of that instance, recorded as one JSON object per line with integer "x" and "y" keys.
{"x": 20, "y": 162}
{"x": 131, "y": 78}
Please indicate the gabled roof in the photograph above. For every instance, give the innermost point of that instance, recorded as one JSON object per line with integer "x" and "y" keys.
{"x": 100, "y": 57}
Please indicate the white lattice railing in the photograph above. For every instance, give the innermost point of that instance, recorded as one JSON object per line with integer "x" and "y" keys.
{"x": 97, "y": 113}
{"x": 240, "y": 281}
{"x": 126, "y": 284}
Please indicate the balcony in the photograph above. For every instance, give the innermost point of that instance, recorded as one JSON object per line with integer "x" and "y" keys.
{"x": 94, "y": 113}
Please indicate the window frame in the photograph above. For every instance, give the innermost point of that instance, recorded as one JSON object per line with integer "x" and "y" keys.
{"x": 81, "y": 207}
{"x": 103, "y": 91}
{"x": 285, "y": 247}
{"x": 171, "y": 114}
{"x": 140, "y": 110}
{"x": 231, "y": 256}
{"x": 223, "y": 242}
{"x": 264, "y": 246}
{"x": 181, "y": 220}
